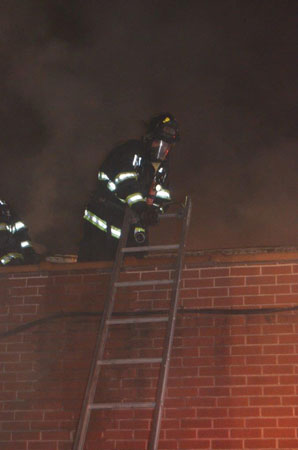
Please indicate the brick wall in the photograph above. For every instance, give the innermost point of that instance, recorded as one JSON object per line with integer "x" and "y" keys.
{"x": 233, "y": 376}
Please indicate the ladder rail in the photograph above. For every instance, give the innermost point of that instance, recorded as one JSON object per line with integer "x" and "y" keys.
{"x": 101, "y": 341}
{"x": 168, "y": 344}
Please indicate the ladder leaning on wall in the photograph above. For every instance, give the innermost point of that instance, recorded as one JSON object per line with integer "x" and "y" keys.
{"x": 107, "y": 320}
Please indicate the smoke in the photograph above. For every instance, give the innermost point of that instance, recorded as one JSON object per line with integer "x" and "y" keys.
{"x": 79, "y": 77}
{"x": 249, "y": 204}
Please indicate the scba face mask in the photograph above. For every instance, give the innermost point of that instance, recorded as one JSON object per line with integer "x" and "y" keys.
{"x": 160, "y": 150}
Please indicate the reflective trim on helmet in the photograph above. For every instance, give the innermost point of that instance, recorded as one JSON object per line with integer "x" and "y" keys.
{"x": 95, "y": 220}
{"x": 134, "y": 198}
{"x": 125, "y": 176}
{"x": 6, "y": 259}
{"x": 164, "y": 194}
{"x": 25, "y": 244}
{"x": 101, "y": 224}
{"x": 115, "y": 232}
{"x": 163, "y": 127}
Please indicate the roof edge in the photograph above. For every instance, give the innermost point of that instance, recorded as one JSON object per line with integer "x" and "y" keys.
{"x": 205, "y": 257}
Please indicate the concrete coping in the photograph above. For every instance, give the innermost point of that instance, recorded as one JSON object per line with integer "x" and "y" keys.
{"x": 200, "y": 257}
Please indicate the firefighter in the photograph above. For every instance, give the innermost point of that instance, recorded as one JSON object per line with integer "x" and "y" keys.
{"x": 134, "y": 174}
{"x": 15, "y": 245}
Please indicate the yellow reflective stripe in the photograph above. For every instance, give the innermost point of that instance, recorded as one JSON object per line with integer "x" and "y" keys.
{"x": 103, "y": 177}
{"x": 139, "y": 230}
{"x": 12, "y": 228}
{"x": 111, "y": 186}
{"x": 25, "y": 244}
{"x": 4, "y": 227}
{"x": 125, "y": 176}
{"x": 164, "y": 194}
{"x": 18, "y": 226}
{"x": 101, "y": 224}
{"x": 115, "y": 232}
{"x": 95, "y": 220}
{"x": 122, "y": 176}
{"x": 134, "y": 198}
{"x": 10, "y": 256}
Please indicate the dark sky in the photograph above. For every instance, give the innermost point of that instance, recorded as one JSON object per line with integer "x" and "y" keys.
{"x": 78, "y": 77}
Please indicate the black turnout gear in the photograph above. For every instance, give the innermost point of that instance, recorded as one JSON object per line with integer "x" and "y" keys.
{"x": 15, "y": 245}
{"x": 128, "y": 177}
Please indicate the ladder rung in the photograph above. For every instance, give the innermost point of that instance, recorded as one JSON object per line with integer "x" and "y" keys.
{"x": 111, "y": 362}
{"x": 132, "y": 405}
{"x": 137, "y": 320}
{"x": 142, "y": 283}
{"x": 150, "y": 247}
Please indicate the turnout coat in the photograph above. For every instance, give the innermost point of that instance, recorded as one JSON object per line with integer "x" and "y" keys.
{"x": 15, "y": 244}
{"x": 127, "y": 177}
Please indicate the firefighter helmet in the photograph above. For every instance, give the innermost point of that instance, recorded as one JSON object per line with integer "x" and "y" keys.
{"x": 163, "y": 127}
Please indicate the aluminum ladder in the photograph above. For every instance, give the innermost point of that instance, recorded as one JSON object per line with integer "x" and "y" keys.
{"x": 106, "y": 320}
